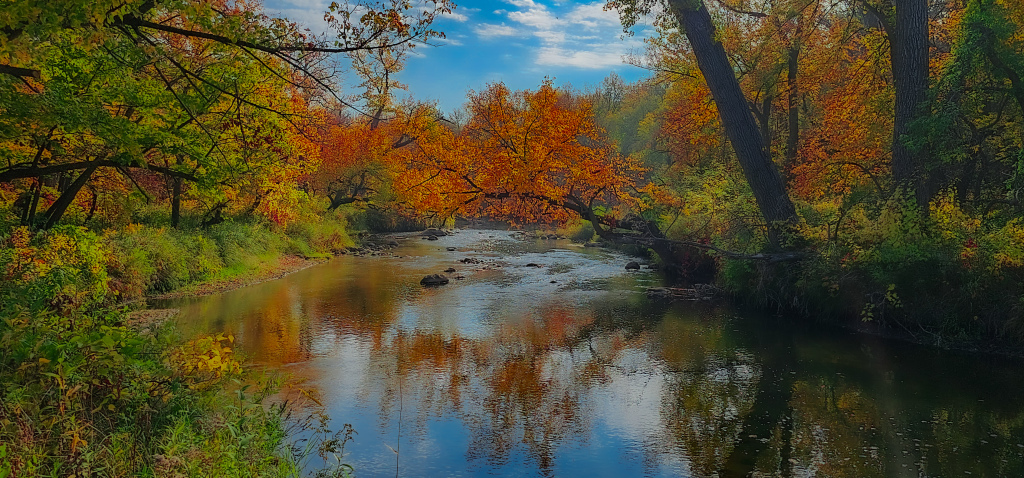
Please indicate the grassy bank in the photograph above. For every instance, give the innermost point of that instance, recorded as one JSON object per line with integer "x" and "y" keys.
{"x": 83, "y": 392}
{"x": 146, "y": 260}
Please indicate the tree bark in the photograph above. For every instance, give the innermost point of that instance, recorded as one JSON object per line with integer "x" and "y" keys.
{"x": 741, "y": 128}
{"x": 175, "y": 202}
{"x": 92, "y": 205}
{"x": 58, "y": 208}
{"x": 909, "y": 54}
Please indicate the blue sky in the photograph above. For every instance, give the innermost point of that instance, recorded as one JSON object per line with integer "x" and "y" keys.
{"x": 518, "y": 42}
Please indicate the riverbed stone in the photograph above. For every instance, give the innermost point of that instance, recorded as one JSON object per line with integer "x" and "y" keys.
{"x": 632, "y": 266}
{"x": 434, "y": 279}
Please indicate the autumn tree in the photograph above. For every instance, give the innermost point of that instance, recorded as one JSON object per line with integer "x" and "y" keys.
{"x": 203, "y": 91}
{"x": 522, "y": 155}
{"x": 740, "y": 126}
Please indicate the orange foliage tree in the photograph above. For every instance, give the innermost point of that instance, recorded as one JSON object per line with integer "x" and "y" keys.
{"x": 524, "y": 156}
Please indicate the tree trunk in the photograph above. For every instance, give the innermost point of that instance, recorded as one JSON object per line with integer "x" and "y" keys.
{"x": 792, "y": 106}
{"x": 909, "y": 54}
{"x": 58, "y": 208}
{"x": 30, "y": 209}
{"x": 92, "y": 205}
{"x": 741, "y": 128}
{"x": 175, "y": 202}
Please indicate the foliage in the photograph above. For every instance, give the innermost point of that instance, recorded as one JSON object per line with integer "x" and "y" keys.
{"x": 548, "y": 161}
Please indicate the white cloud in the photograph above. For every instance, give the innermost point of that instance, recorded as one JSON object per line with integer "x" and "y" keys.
{"x": 489, "y": 30}
{"x": 592, "y": 59}
{"x": 579, "y": 36}
{"x": 539, "y": 18}
{"x": 458, "y": 17}
{"x": 447, "y": 41}
{"x": 522, "y": 3}
{"x": 593, "y": 15}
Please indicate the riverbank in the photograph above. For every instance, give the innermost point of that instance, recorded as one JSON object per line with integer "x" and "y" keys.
{"x": 271, "y": 270}
{"x": 88, "y": 388}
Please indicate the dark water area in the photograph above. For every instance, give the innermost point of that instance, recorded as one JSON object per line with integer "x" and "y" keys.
{"x": 568, "y": 369}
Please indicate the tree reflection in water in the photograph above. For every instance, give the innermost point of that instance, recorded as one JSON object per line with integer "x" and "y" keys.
{"x": 503, "y": 374}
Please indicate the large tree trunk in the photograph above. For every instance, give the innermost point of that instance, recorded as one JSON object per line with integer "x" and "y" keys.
{"x": 909, "y": 54}
{"x": 740, "y": 126}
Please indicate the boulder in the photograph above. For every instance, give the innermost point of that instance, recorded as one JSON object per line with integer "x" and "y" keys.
{"x": 633, "y": 266}
{"x": 534, "y": 264}
{"x": 431, "y": 238}
{"x": 434, "y": 279}
{"x": 452, "y": 249}
{"x": 450, "y": 270}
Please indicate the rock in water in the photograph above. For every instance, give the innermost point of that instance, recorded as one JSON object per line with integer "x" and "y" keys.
{"x": 633, "y": 266}
{"x": 434, "y": 279}
{"x": 451, "y": 249}
{"x": 431, "y": 238}
{"x": 450, "y": 270}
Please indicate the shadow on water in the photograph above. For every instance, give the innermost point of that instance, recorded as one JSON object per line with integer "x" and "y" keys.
{"x": 567, "y": 369}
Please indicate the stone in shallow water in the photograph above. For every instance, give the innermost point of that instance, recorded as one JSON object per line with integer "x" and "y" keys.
{"x": 633, "y": 266}
{"x": 434, "y": 279}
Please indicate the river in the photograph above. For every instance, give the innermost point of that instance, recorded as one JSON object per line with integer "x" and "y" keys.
{"x": 548, "y": 359}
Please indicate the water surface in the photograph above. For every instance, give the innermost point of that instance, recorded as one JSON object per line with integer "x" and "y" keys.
{"x": 568, "y": 369}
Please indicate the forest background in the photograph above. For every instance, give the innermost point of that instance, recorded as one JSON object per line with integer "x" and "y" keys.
{"x": 852, "y": 161}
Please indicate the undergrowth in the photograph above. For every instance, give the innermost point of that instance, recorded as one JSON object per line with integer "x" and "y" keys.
{"x": 84, "y": 391}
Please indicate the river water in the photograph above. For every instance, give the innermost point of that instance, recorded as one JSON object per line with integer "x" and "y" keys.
{"x": 568, "y": 369}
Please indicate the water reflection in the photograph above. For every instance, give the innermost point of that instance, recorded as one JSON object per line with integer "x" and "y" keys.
{"x": 568, "y": 370}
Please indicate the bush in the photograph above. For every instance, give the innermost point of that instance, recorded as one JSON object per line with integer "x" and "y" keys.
{"x": 83, "y": 395}
{"x": 379, "y": 220}
{"x": 61, "y": 269}
{"x": 147, "y": 259}
{"x": 580, "y": 232}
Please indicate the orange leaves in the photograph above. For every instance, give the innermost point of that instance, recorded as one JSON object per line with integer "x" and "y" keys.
{"x": 849, "y": 129}
{"x": 691, "y": 126}
{"x": 523, "y": 155}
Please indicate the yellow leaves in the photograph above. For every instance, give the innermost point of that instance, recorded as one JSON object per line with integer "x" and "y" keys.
{"x": 1009, "y": 244}
{"x": 202, "y": 361}
{"x": 953, "y": 222}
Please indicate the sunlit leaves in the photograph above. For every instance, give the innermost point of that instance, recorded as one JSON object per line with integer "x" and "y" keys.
{"x": 522, "y": 155}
